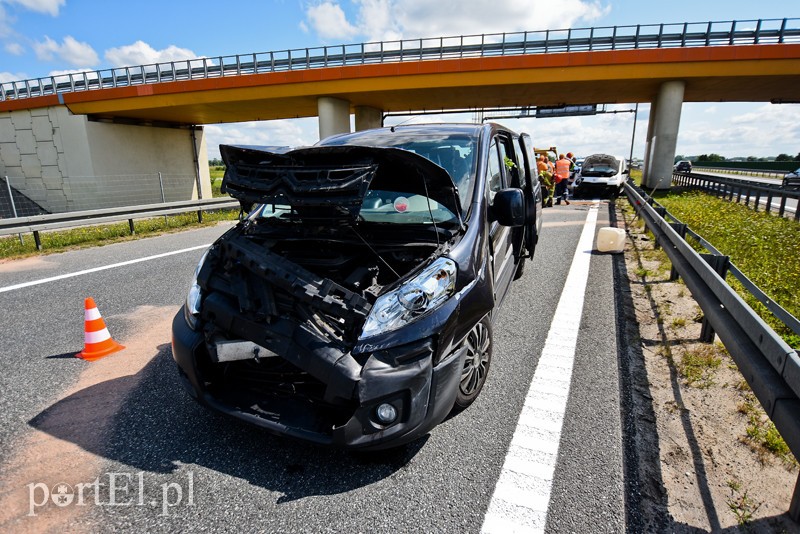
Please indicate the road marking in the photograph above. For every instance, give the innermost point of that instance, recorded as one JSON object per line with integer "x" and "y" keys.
{"x": 522, "y": 493}
{"x": 96, "y": 269}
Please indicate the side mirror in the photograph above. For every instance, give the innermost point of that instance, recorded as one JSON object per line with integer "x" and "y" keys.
{"x": 508, "y": 208}
{"x": 626, "y": 171}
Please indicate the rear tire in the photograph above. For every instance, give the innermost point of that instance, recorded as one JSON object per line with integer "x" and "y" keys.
{"x": 476, "y": 363}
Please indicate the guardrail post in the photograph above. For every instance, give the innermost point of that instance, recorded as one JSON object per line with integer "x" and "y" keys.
{"x": 680, "y": 229}
{"x": 662, "y": 212}
{"x": 37, "y": 240}
{"x": 720, "y": 264}
{"x": 782, "y": 208}
{"x": 794, "y": 507}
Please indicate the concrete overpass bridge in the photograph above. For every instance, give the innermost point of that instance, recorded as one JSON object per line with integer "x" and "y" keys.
{"x": 665, "y": 65}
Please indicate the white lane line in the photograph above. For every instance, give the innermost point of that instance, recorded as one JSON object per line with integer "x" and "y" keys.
{"x": 522, "y": 493}
{"x": 96, "y": 269}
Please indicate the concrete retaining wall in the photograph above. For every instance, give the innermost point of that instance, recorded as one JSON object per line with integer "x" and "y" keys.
{"x": 66, "y": 162}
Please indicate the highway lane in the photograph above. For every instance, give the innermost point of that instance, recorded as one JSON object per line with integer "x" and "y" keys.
{"x": 127, "y": 414}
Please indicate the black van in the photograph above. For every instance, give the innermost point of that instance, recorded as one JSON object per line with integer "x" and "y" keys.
{"x": 353, "y": 306}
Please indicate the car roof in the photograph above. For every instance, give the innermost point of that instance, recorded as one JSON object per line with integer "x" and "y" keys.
{"x": 380, "y": 135}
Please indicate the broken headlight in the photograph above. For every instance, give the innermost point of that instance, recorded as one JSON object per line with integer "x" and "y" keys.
{"x": 192, "y": 308}
{"x": 403, "y": 305}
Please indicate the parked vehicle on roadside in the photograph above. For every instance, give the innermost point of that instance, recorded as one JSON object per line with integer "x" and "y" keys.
{"x": 601, "y": 173}
{"x": 354, "y": 305}
{"x": 791, "y": 179}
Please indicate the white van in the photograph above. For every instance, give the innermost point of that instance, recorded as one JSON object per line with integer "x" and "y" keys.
{"x": 602, "y": 173}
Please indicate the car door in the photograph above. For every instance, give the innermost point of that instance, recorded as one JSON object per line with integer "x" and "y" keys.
{"x": 532, "y": 190}
{"x": 502, "y": 253}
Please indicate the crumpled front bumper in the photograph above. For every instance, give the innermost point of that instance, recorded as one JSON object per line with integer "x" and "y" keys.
{"x": 404, "y": 376}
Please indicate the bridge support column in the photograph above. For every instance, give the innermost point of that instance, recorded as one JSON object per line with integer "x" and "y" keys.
{"x": 668, "y": 119}
{"x": 648, "y": 145}
{"x": 367, "y": 117}
{"x": 334, "y": 116}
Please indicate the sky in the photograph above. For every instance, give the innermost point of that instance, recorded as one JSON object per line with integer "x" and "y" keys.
{"x": 48, "y": 37}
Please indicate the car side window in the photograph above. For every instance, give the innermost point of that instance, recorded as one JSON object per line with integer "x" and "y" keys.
{"x": 520, "y": 165}
{"x": 494, "y": 170}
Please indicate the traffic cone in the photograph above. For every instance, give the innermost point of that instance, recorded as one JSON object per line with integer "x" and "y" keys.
{"x": 97, "y": 340}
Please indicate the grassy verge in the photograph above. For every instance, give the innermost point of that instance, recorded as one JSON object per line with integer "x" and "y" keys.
{"x": 216, "y": 174}
{"x": 763, "y": 246}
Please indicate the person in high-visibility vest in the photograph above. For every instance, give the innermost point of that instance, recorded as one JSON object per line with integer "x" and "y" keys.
{"x": 561, "y": 177}
{"x": 546, "y": 179}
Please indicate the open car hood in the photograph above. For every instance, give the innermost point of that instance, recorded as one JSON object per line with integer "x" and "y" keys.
{"x": 332, "y": 181}
{"x": 601, "y": 165}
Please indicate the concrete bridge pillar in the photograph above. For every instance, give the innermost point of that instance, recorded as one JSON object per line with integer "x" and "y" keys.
{"x": 334, "y": 116}
{"x": 367, "y": 118}
{"x": 648, "y": 145}
{"x": 668, "y": 119}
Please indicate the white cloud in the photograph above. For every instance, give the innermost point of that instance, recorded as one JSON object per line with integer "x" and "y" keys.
{"x": 290, "y": 132}
{"x": 378, "y": 20}
{"x": 141, "y": 53}
{"x": 5, "y": 23}
{"x": 15, "y": 49}
{"x": 12, "y": 76}
{"x": 329, "y": 21}
{"x": 70, "y": 50}
{"x": 49, "y": 7}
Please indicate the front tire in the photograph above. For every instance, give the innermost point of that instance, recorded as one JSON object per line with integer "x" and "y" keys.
{"x": 476, "y": 363}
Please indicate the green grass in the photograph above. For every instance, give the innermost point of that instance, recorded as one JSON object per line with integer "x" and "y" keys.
{"x": 763, "y": 246}
{"x": 740, "y": 504}
{"x": 216, "y": 180}
{"x": 697, "y": 367}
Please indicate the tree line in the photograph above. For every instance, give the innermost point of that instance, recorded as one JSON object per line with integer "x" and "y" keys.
{"x": 717, "y": 157}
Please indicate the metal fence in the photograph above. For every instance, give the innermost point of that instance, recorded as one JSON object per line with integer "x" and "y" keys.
{"x": 769, "y": 365}
{"x": 759, "y": 195}
{"x": 641, "y": 36}
{"x": 767, "y": 173}
{"x": 21, "y": 197}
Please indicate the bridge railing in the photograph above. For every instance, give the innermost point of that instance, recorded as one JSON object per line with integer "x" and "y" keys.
{"x": 769, "y": 365}
{"x": 642, "y": 36}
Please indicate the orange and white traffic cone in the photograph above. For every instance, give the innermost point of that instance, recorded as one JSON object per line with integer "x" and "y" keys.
{"x": 97, "y": 340}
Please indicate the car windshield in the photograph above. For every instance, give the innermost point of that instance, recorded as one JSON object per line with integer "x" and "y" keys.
{"x": 454, "y": 152}
{"x": 396, "y": 207}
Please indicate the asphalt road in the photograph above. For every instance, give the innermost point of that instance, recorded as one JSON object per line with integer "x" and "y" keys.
{"x": 163, "y": 463}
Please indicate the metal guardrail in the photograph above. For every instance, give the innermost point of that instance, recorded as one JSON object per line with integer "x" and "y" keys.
{"x": 761, "y": 194}
{"x": 769, "y": 365}
{"x": 57, "y": 221}
{"x": 641, "y": 36}
{"x": 753, "y": 172}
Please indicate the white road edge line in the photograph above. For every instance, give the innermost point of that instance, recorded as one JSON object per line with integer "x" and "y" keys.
{"x": 96, "y": 269}
{"x": 522, "y": 493}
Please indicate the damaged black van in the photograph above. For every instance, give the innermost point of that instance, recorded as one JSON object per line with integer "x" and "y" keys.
{"x": 353, "y": 306}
